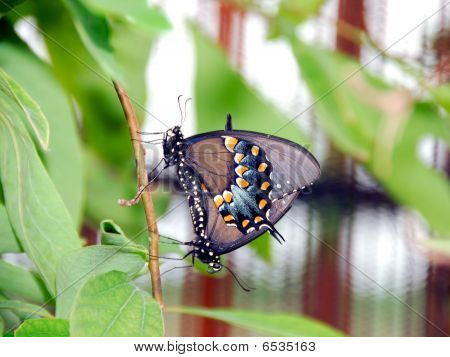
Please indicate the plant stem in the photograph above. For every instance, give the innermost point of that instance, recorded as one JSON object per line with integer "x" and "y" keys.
{"x": 142, "y": 179}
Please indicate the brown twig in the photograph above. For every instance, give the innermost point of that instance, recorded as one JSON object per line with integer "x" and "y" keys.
{"x": 142, "y": 178}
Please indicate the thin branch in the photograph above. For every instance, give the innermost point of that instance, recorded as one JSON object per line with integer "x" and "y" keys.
{"x": 142, "y": 178}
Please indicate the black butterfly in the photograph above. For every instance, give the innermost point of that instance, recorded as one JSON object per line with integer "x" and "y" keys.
{"x": 239, "y": 184}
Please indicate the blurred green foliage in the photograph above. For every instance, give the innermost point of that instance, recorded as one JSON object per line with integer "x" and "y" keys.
{"x": 380, "y": 126}
{"x": 7, "y": 5}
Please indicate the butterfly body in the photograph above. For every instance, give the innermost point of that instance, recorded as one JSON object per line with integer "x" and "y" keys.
{"x": 238, "y": 183}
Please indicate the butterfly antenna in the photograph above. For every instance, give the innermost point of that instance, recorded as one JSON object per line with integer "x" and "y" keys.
{"x": 184, "y": 117}
{"x": 149, "y": 133}
{"x": 179, "y": 107}
{"x": 241, "y": 284}
{"x": 155, "y": 141}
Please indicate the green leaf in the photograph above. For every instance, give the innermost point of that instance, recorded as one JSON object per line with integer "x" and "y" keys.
{"x": 36, "y": 212}
{"x": 22, "y": 283}
{"x": 2, "y": 325}
{"x": 95, "y": 33}
{"x": 43, "y": 328}
{"x": 23, "y": 309}
{"x": 112, "y": 234}
{"x": 270, "y": 324}
{"x": 381, "y": 126}
{"x": 8, "y": 241}
{"x": 34, "y": 118}
{"x": 136, "y": 12}
{"x": 230, "y": 94}
{"x": 78, "y": 266}
{"x": 63, "y": 159}
{"x": 110, "y": 305}
{"x": 8, "y": 5}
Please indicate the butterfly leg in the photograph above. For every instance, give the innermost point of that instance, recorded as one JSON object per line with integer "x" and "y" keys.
{"x": 137, "y": 197}
{"x": 180, "y": 267}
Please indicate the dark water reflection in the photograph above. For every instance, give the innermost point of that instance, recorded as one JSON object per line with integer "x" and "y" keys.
{"x": 352, "y": 266}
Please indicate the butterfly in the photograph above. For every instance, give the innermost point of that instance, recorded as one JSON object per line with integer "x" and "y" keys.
{"x": 238, "y": 183}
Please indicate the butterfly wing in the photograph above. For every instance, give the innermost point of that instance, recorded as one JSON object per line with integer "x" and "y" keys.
{"x": 292, "y": 168}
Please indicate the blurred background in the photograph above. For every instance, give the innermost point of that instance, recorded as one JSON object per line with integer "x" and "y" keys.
{"x": 363, "y": 84}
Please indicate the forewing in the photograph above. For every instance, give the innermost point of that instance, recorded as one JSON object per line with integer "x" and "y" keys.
{"x": 213, "y": 162}
{"x": 294, "y": 167}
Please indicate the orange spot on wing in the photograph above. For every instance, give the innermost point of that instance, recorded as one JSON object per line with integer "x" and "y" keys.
{"x": 218, "y": 200}
{"x": 258, "y": 219}
{"x": 262, "y": 204}
{"x": 242, "y": 183}
{"x": 240, "y": 170}
{"x": 230, "y": 143}
{"x": 228, "y": 218}
{"x": 238, "y": 158}
{"x": 262, "y": 167}
{"x": 228, "y": 196}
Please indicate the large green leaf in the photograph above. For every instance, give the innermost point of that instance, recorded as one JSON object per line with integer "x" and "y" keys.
{"x": 23, "y": 309}
{"x": 110, "y": 305}
{"x": 22, "y": 283}
{"x": 270, "y": 324}
{"x": 380, "y": 126}
{"x": 43, "y": 328}
{"x": 2, "y": 326}
{"x": 36, "y": 211}
{"x": 8, "y": 241}
{"x": 34, "y": 118}
{"x": 95, "y": 33}
{"x": 136, "y": 12}
{"x": 63, "y": 159}
{"x": 80, "y": 265}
